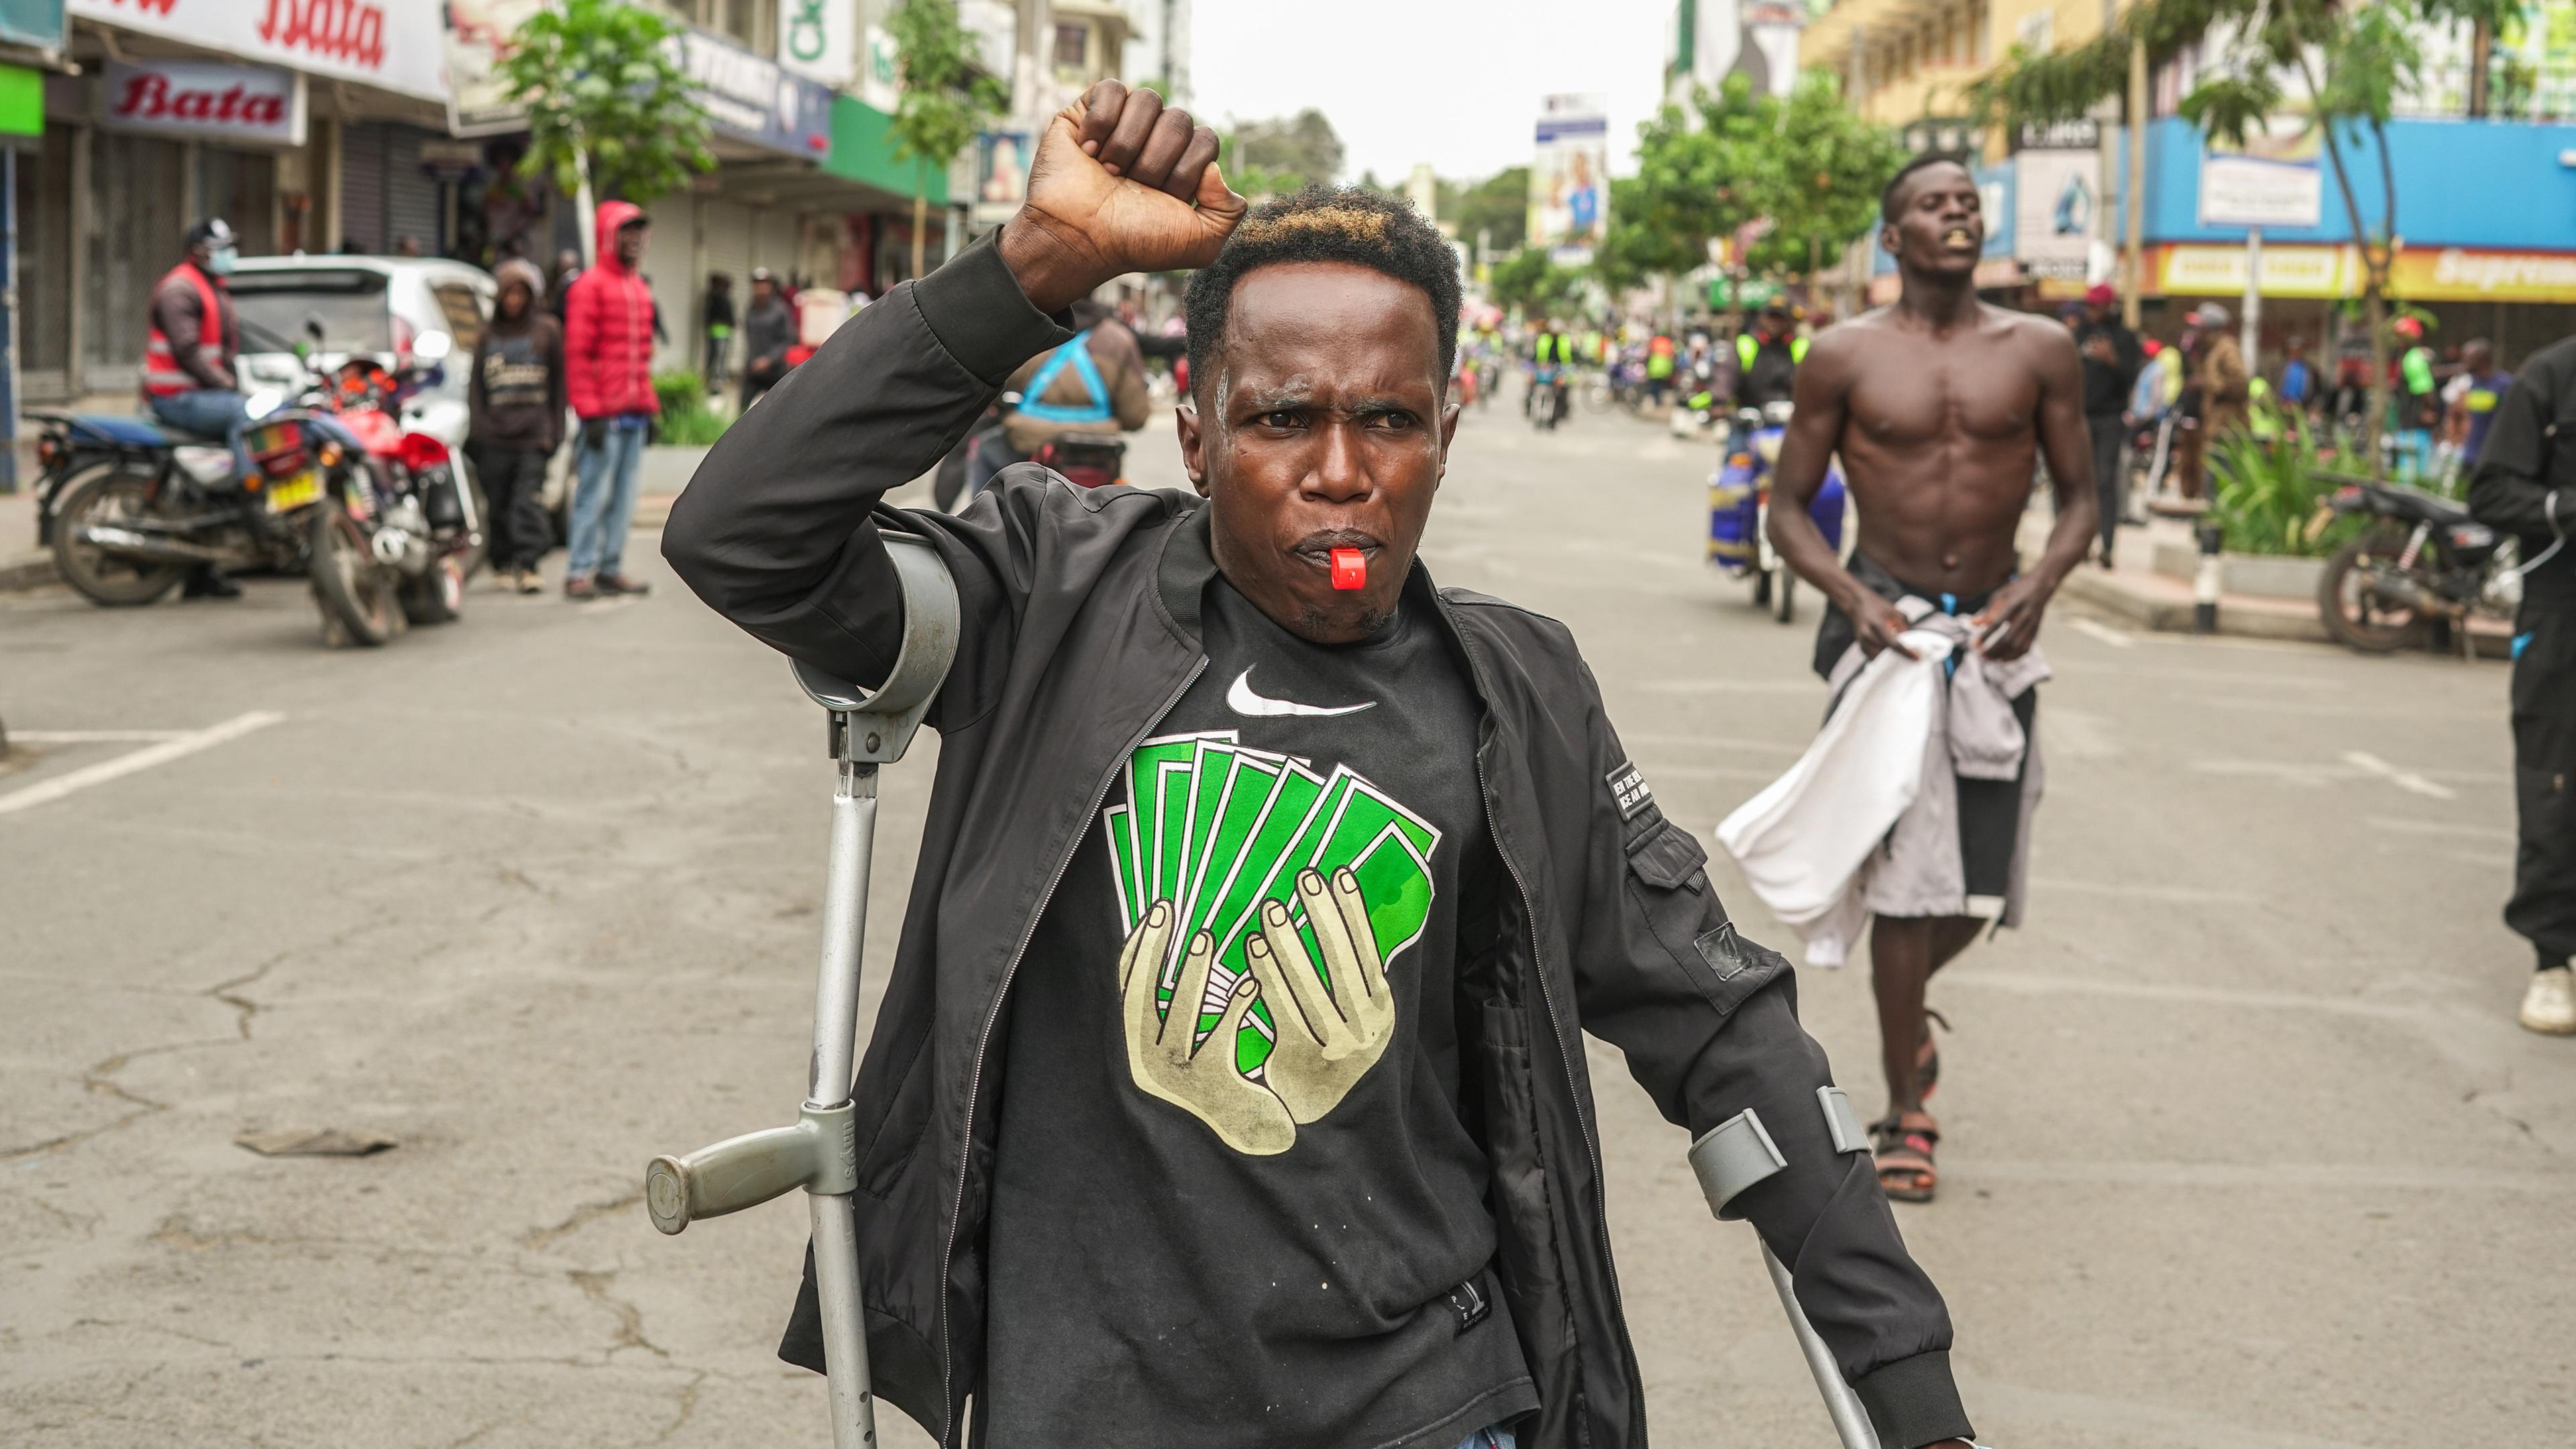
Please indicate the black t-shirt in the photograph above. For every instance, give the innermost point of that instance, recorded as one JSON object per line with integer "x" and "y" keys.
{"x": 1279, "y": 1236}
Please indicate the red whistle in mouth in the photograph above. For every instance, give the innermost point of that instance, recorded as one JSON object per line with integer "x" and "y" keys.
{"x": 1350, "y": 569}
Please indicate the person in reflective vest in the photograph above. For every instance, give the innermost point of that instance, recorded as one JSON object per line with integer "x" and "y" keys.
{"x": 1767, "y": 358}
{"x": 193, "y": 342}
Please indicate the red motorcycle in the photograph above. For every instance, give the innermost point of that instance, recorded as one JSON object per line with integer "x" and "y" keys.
{"x": 393, "y": 546}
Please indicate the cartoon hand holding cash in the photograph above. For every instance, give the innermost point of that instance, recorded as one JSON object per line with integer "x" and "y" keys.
{"x": 1331, "y": 1025}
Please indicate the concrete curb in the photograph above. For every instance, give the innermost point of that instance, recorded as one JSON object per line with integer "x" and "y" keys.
{"x": 32, "y": 569}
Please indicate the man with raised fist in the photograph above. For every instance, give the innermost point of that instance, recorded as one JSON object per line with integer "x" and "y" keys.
{"x": 1227, "y": 1088}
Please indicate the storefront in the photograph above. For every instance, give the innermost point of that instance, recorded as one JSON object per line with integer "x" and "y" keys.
{"x": 785, "y": 198}
{"x": 252, "y": 110}
{"x": 2483, "y": 221}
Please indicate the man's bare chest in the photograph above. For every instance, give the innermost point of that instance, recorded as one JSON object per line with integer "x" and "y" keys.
{"x": 1917, "y": 393}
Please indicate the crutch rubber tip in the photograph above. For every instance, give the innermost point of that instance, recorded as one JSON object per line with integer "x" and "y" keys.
{"x": 666, "y": 1193}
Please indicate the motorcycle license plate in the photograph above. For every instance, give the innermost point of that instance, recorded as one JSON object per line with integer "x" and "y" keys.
{"x": 289, "y": 494}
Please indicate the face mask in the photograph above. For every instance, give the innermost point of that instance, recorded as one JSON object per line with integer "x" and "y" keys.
{"x": 220, "y": 261}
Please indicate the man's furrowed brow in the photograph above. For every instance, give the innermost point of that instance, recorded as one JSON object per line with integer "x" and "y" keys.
{"x": 1277, "y": 397}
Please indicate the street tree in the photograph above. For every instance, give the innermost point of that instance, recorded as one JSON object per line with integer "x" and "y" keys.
{"x": 946, "y": 99}
{"x": 2337, "y": 68}
{"x": 1496, "y": 208}
{"x": 609, "y": 111}
{"x": 1532, "y": 281}
{"x": 1796, "y": 177}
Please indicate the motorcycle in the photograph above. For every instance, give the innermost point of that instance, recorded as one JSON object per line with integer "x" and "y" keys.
{"x": 130, "y": 507}
{"x": 391, "y": 544}
{"x": 1544, "y": 403}
{"x": 1086, "y": 460}
{"x": 2423, "y": 564}
{"x": 1739, "y": 509}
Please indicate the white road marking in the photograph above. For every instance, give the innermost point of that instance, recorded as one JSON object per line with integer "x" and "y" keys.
{"x": 93, "y": 737}
{"x": 2104, "y": 632}
{"x": 2402, "y": 779}
{"x": 2433, "y": 827}
{"x": 177, "y": 747}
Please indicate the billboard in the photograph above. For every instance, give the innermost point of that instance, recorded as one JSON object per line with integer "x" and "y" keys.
{"x": 204, "y": 100}
{"x": 1569, "y": 198}
{"x": 478, "y": 35}
{"x": 393, "y": 44}
{"x": 2056, "y": 214}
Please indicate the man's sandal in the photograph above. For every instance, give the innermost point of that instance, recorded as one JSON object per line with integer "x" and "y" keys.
{"x": 1902, "y": 1149}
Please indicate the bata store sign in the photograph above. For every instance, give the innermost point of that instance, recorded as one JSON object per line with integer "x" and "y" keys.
{"x": 254, "y": 105}
{"x": 397, "y": 45}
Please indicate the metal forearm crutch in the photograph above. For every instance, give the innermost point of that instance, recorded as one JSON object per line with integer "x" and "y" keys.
{"x": 1734, "y": 1155}
{"x": 820, "y": 1153}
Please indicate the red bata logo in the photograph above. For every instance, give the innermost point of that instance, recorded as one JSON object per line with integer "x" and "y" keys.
{"x": 149, "y": 96}
{"x": 351, "y": 31}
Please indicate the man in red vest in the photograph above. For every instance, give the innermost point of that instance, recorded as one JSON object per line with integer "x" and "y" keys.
{"x": 188, "y": 356}
{"x": 608, "y": 377}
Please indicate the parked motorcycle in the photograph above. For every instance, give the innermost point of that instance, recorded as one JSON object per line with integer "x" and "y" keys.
{"x": 1739, "y": 509}
{"x": 2423, "y": 563}
{"x": 130, "y": 507}
{"x": 392, "y": 543}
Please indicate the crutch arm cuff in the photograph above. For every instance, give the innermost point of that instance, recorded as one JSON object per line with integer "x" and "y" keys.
{"x": 1913, "y": 1402}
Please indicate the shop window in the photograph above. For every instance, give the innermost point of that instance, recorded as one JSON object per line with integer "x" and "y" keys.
{"x": 1072, "y": 52}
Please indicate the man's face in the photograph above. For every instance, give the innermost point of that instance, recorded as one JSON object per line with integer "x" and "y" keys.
{"x": 1775, "y": 323}
{"x": 763, "y": 290}
{"x": 2477, "y": 357}
{"x": 1324, "y": 426}
{"x": 630, "y": 243}
{"x": 1939, "y": 229}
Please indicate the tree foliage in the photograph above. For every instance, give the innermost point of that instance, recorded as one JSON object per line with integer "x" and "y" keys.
{"x": 2348, "y": 62}
{"x": 1497, "y": 206}
{"x": 604, "y": 95}
{"x": 1280, "y": 155}
{"x": 946, "y": 100}
{"x": 1532, "y": 281}
{"x": 1804, "y": 163}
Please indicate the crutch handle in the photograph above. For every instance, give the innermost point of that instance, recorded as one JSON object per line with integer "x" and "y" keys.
{"x": 819, "y": 1154}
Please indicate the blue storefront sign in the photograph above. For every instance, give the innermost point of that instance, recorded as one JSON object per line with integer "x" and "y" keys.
{"x": 751, "y": 98}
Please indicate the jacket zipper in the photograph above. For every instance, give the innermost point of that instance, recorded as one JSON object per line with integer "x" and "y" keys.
{"x": 1547, "y": 997}
{"x": 984, "y": 1042}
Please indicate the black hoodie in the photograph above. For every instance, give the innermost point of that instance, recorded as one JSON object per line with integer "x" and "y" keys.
{"x": 516, "y": 399}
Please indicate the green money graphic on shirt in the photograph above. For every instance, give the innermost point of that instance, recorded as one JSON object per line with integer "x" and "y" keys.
{"x": 1306, "y": 887}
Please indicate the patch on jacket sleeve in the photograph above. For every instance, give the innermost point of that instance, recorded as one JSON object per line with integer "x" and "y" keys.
{"x": 1629, "y": 789}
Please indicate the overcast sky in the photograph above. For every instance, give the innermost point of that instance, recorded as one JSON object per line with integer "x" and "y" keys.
{"x": 1452, "y": 82}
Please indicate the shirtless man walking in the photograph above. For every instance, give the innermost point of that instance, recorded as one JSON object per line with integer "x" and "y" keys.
{"x": 1939, "y": 406}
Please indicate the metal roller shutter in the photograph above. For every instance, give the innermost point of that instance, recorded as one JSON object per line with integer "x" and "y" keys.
{"x": 362, "y": 188}
{"x": 384, "y": 195}
{"x": 414, "y": 205}
{"x": 774, "y": 239}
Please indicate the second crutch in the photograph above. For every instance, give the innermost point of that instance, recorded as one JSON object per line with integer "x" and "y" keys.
{"x": 819, "y": 1152}
{"x": 1734, "y": 1155}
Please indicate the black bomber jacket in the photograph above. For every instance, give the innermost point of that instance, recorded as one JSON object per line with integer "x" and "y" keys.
{"x": 1081, "y": 629}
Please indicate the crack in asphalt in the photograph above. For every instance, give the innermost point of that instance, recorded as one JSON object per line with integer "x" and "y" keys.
{"x": 630, "y": 1319}
{"x": 582, "y": 1217}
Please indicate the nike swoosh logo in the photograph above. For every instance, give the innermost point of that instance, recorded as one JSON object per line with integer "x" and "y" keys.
{"x": 1242, "y": 700}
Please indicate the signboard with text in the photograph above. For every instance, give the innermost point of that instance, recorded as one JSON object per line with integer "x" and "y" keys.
{"x": 749, "y": 97}
{"x": 394, "y": 44}
{"x": 819, "y": 39}
{"x": 2241, "y": 190}
{"x": 204, "y": 100}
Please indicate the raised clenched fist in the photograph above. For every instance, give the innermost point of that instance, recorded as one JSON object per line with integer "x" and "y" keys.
{"x": 1120, "y": 183}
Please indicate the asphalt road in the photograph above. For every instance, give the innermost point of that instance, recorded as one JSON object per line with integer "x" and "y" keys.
{"x": 2242, "y": 1146}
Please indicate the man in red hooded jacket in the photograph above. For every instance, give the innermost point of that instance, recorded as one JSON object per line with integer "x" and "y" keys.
{"x": 608, "y": 378}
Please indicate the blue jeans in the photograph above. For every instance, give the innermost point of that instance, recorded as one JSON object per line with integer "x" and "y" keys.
{"x": 1489, "y": 1439}
{"x": 603, "y": 500}
{"x": 208, "y": 413}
